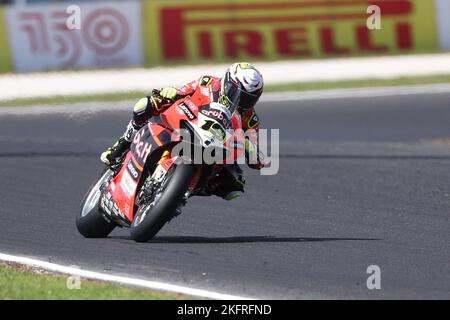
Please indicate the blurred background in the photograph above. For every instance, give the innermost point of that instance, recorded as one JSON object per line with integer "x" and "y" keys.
{"x": 34, "y": 35}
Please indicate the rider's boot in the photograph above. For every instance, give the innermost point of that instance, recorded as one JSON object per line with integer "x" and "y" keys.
{"x": 114, "y": 153}
{"x": 227, "y": 183}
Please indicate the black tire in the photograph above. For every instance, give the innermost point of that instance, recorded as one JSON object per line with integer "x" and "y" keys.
{"x": 165, "y": 206}
{"x": 91, "y": 222}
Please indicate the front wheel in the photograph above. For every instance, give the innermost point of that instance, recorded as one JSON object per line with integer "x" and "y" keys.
{"x": 151, "y": 217}
{"x": 91, "y": 222}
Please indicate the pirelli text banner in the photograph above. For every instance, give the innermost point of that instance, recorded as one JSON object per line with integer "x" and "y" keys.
{"x": 217, "y": 30}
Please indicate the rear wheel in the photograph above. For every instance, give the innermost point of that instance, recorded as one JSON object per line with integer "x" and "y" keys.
{"x": 152, "y": 216}
{"x": 91, "y": 222}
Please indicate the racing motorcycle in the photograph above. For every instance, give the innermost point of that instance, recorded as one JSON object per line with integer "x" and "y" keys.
{"x": 150, "y": 184}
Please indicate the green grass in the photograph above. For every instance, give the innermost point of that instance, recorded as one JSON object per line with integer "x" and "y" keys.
{"x": 18, "y": 284}
{"x": 134, "y": 95}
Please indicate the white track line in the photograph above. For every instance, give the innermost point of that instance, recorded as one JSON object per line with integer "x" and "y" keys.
{"x": 160, "y": 286}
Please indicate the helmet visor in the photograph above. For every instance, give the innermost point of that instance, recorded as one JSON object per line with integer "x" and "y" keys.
{"x": 231, "y": 93}
{"x": 249, "y": 99}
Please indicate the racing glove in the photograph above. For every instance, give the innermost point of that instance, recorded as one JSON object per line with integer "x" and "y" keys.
{"x": 169, "y": 93}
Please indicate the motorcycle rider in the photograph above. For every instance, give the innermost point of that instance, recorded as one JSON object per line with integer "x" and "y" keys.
{"x": 242, "y": 78}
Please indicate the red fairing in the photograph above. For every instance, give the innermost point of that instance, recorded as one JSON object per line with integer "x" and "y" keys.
{"x": 123, "y": 187}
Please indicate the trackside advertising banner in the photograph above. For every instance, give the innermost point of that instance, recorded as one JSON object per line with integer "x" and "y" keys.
{"x": 163, "y": 32}
{"x": 194, "y": 31}
{"x": 109, "y": 35}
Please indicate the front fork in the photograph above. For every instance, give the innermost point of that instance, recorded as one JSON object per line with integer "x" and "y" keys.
{"x": 165, "y": 162}
{"x": 163, "y": 167}
{"x": 196, "y": 179}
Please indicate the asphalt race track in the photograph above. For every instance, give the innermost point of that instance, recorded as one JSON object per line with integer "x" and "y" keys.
{"x": 361, "y": 182}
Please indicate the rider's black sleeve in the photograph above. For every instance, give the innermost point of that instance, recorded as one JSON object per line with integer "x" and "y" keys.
{"x": 148, "y": 107}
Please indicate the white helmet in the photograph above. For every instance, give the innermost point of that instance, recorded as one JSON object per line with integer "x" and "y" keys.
{"x": 242, "y": 85}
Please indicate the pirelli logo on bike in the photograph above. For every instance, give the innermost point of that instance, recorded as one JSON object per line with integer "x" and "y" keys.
{"x": 194, "y": 30}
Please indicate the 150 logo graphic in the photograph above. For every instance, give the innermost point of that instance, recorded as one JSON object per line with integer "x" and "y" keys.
{"x": 88, "y": 35}
{"x": 217, "y": 30}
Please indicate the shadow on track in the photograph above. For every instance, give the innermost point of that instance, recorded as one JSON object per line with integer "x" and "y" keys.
{"x": 260, "y": 239}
